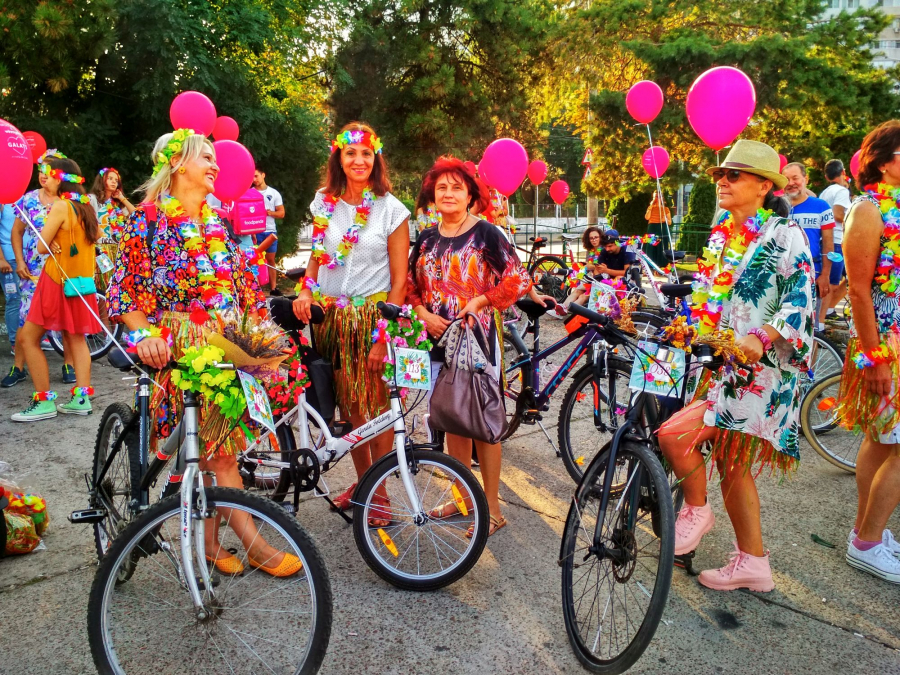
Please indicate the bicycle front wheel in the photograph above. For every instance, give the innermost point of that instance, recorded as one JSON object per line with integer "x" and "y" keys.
{"x": 549, "y": 274}
{"x": 427, "y": 550}
{"x": 821, "y": 426}
{"x": 615, "y": 573}
{"x": 257, "y": 622}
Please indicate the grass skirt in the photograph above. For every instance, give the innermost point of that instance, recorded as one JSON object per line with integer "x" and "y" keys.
{"x": 860, "y": 410}
{"x": 166, "y": 402}
{"x": 345, "y": 339}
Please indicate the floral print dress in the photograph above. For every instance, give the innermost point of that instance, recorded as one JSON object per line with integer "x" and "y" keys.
{"x": 757, "y": 407}
{"x": 31, "y": 204}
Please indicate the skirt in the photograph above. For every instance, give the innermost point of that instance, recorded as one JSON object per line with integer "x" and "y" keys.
{"x": 861, "y": 411}
{"x": 52, "y": 310}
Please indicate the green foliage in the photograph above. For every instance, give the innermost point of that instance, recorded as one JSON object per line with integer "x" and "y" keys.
{"x": 629, "y": 212}
{"x": 564, "y": 153}
{"x": 702, "y": 203}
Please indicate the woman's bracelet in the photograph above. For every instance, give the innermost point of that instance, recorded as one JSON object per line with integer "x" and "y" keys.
{"x": 762, "y": 336}
{"x": 136, "y": 336}
{"x": 880, "y": 354}
{"x": 308, "y": 283}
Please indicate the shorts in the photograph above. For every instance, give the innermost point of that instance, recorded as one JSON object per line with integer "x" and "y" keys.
{"x": 837, "y": 268}
{"x": 261, "y": 236}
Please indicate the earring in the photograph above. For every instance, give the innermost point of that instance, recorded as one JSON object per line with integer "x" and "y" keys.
{"x": 181, "y": 170}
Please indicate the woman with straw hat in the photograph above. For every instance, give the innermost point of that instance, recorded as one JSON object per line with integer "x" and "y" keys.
{"x": 755, "y": 279}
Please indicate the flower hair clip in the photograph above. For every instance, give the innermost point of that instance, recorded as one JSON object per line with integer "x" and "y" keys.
{"x": 61, "y": 175}
{"x": 173, "y": 147}
{"x": 348, "y": 137}
{"x": 52, "y": 153}
{"x": 106, "y": 170}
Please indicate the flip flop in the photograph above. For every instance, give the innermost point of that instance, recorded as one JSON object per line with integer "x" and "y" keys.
{"x": 496, "y": 524}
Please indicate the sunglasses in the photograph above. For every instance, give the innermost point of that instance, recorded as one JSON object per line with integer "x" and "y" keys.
{"x": 731, "y": 175}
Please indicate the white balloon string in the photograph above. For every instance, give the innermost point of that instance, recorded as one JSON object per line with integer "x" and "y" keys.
{"x": 659, "y": 194}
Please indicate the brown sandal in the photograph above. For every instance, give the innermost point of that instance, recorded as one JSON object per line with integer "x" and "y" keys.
{"x": 380, "y": 512}
{"x": 496, "y": 524}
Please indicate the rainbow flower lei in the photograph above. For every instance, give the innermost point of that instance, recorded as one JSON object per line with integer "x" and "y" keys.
{"x": 50, "y": 154}
{"x": 887, "y": 273}
{"x": 113, "y": 217}
{"x": 209, "y": 254}
{"x": 714, "y": 278}
{"x": 348, "y": 137}
{"x": 406, "y": 332}
{"x": 650, "y": 239}
{"x": 75, "y": 197}
{"x": 61, "y": 175}
{"x": 321, "y": 220}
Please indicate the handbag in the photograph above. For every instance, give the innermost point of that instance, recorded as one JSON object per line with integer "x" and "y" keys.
{"x": 467, "y": 399}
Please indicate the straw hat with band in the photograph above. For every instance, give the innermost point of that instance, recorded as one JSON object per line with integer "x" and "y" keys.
{"x": 756, "y": 158}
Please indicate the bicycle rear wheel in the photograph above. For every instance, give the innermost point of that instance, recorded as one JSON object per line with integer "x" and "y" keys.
{"x": 827, "y": 360}
{"x": 257, "y": 622}
{"x": 821, "y": 426}
{"x": 99, "y": 343}
{"x": 549, "y": 274}
{"x": 614, "y": 589}
{"x": 416, "y": 553}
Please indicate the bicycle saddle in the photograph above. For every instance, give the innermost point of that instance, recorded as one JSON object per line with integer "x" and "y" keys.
{"x": 532, "y": 309}
{"x": 570, "y": 237}
{"x": 296, "y": 274}
{"x": 674, "y": 255}
{"x": 676, "y": 290}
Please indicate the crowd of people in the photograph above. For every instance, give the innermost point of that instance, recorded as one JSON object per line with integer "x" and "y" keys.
{"x": 772, "y": 270}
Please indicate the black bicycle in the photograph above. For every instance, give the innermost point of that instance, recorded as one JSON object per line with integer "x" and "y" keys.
{"x": 618, "y": 544}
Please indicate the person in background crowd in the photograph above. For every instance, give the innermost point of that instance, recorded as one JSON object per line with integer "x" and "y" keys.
{"x": 837, "y": 196}
{"x": 274, "y": 209}
{"x": 349, "y": 279}
{"x": 591, "y": 241}
{"x": 113, "y": 208}
{"x": 751, "y": 411}
{"x": 659, "y": 221}
{"x": 817, "y": 220}
{"x": 29, "y": 262}
{"x": 8, "y": 277}
{"x": 68, "y": 233}
{"x": 464, "y": 265}
{"x": 869, "y": 398}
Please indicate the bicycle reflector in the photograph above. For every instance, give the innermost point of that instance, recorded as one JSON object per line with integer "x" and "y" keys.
{"x": 826, "y": 403}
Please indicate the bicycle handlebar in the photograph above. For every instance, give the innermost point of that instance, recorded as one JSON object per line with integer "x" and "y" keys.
{"x": 388, "y": 310}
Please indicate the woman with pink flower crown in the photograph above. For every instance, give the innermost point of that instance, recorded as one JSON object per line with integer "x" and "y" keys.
{"x": 360, "y": 245}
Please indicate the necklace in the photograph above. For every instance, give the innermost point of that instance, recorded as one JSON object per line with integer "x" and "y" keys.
{"x": 209, "y": 255}
{"x": 459, "y": 227}
{"x": 112, "y": 218}
{"x": 887, "y": 272}
{"x": 715, "y": 268}
{"x": 321, "y": 220}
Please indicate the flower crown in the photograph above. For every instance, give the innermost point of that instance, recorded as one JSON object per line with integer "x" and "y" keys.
{"x": 107, "y": 169}
{"x": 61, "y": 175}
{"x": 173, "y": 147}
{"x": 75, "y": 197}
{"x": 50, "y": 154}
{"x": 348, "y": 137}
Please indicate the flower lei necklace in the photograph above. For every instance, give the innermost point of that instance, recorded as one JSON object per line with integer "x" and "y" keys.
{"x": 723, "y": 251}
{"x": 321, "y": 221}
{"x": 113, "y": 215}
{"x": 888, "y": 269}
{"x": 209, "y": 255}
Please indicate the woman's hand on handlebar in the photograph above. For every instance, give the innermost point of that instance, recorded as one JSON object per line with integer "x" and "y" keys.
{"x": 302, "y": 305}
{"x": 751, "y": 346}
{"x": 155, "y": 352}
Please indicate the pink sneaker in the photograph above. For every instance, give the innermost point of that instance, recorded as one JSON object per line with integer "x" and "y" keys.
{"x": 693, "y": 522}
{"x": 742, "y": 571}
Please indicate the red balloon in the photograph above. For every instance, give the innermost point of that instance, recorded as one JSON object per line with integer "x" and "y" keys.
{"x": 37, "y": 144}
{"x": 236, "y": 169}
{"x": 504, "y": 165}
{"x": 537, "y": 172}
{"x": 782, "y": 162}
{"x": 854, "y": 165}
{"x": 193, "y": 110}
{"x": 15, "y": 163}
{"x": 644, "y": 101}
{"x": 559, "y": 191}
{"x": 226, "y": 129}
{"x": 471, "y": 167}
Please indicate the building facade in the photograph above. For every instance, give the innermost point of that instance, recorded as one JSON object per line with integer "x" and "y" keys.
{"x": 886, "y": 50}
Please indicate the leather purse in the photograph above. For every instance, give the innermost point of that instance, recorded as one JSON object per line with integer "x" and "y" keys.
{"x": 467, "y": 399}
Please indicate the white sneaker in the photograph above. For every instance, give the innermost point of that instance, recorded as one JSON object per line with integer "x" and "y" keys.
{"x": 877, "y": 561}
{"x": 887, "y": 538}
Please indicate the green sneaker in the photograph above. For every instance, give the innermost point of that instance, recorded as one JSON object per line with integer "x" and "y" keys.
{"x": 38, "y": 410}
{"x": 79, "y": 405}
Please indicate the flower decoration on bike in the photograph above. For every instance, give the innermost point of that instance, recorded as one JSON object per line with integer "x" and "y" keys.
{"x": 292, "y": 380}
{"x": 405, "y": 332}
{"x": 321, "y": 220}
{"x": 680, "y": 333}
{"x": 648, "y": 239}
{"x": 714, "y": 279}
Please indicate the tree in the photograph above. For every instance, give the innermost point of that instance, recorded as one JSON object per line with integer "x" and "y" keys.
{"x": 698, "y": 221}
{"x": 817, "y": 90}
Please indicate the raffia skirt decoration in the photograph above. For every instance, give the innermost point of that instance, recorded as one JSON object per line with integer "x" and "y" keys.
{"x": 861, "y": 411}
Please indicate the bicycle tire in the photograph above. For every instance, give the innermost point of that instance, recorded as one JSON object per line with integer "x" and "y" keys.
{"x": 513, "y": 379}
{"x": 371, "y": 547}
{"x": 549, "y": 273}
{"x": 139, "y": 538}
{"x": 123, "y": 483}
{"x": 649, "y": 481}
{"x": 818, "y": 434}
{"x": 582, "y": 379}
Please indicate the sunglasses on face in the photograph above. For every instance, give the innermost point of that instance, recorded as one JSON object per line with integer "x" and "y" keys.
{"x": 731, "y": 175}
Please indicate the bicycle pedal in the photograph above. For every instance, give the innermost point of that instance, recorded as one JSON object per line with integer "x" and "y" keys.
{"x": 87, "y": 516}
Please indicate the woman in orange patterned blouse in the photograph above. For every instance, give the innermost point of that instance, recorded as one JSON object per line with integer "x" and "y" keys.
{"x": 464, "y": 265}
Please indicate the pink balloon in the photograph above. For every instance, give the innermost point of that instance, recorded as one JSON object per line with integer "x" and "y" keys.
{"x": 559, "y": 191}
{"x": 854, "y": 165}
{"x": 655, "y": 161}
{"x": 644, "y": 101}
{"x": 226, "y": 129}
{"x": 782, "y": 161}
{"x": 193, "y": 110}
{"x": 720, "y": 104}
{"x": 15, "y": 163}
{"x": 37, "y": 144}
{"x": 537, "y": 171}
{"x": 236, "y": 169}
{"x": 504, "y": 165}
